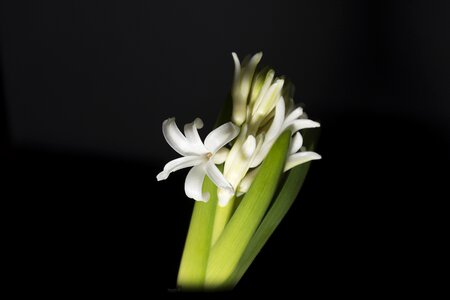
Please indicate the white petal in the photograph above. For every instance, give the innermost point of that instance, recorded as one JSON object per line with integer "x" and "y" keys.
{"x": 217, "y": 177}
{"x": 303, "y": 124}
{"x": 237, "y": 67}
{"x": 221, "y": 156}
{"x": 235, "y": 150}
{"x": 247, "y": 181}
{"x": 296, "y": 143}
{"x": 257, "y": 84}
{"x": 267, "y": 83}
{"x": 249, "y": 146}
{"x": 248, "y": 73}
{"x": 179, "y": 163}
{"x": 268, "y": 119}
{"x": 300, "y": 158}
{"x": 239, "y": 100}
{"x": 269, "y": 100}
{"x": 295, "y": 114}
{"x": 193, "y": 186}
{"x": 277, "y": 123}
{"x": 239, "y": 110}
{"x": 260, "y": 140}
{"x": 176, "y": 139}
{"x": 192, "y": 136}
{"x": 221, "y": 136}
{"x": 238, "y": 194}
{"x": 241, "y": 165}
{"x": 262, "y": 153}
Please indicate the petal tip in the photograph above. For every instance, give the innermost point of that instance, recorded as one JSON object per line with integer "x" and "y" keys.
{"x": 257, "y": 57}
{"x": 169, "y": 120}
{"x": 248, "y": 148}
{"x": 316, "y": 156}
{"x": 162, "y": 176}
{"x": 198, "y": 123}
{"x": 237, "y": 63}
{"x": 205, "y": 197}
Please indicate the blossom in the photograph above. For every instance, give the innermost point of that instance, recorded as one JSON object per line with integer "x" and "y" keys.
{"x": 201, "y": 156}
{"x": 294, "y": 120}
{"x": 259, "y": 107}
{"x": 263, "y": 108}
{"x": 297, "y": 157}
{"x": 238, "y": 162}
{"x": 254, "y": 98}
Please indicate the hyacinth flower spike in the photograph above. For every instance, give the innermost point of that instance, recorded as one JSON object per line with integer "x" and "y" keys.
{"x": 236, "y": 175}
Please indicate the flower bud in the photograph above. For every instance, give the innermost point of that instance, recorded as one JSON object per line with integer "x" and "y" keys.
{"x": 243, "y": 77}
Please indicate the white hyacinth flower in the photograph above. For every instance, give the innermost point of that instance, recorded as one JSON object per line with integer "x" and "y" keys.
{"x": 296, "y": 158}
{"x": 282, "y": 121}
{"x": 238, "y": 163}
{"x": 265, "y": 103}
{"x": 202, "y": 157}
{"x": 294, "y": 121}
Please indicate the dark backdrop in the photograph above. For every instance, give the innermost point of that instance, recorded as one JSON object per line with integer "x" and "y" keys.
{"x": 86, "y": 85}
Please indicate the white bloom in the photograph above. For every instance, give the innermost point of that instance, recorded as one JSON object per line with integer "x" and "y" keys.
{"x": 296, "y": 158}
{"x": 266, "y": 102}
{"x": 282, "y": 121}
{"x": 238, "y": 162}
{"x": 202, "y": 157}
{"x": 246, "y": 182}
{"x": 254, "y": 99}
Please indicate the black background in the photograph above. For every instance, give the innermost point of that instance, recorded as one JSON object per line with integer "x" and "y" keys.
{"x": 86, "y": 85}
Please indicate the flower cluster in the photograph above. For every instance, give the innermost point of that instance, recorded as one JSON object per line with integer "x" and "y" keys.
{"x": 263, "y": 108}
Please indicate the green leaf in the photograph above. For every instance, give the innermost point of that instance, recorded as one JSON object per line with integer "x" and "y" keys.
{"x": 191, "y": 275}
{"x": 273, "y": 218}
{"x": 223, "y": 214}
{"x": 227, "y": 251}
{"x": 277, "y": 211}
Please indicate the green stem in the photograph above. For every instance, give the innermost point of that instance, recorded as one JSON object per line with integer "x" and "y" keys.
{"x": 191, "y": 275}
{"x": 223, "y": 215}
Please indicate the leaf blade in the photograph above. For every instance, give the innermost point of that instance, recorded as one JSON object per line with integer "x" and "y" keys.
{"x": 226, "y": 252}
{"x": 271, "y": 221}
{"x": 276, "y": 213}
